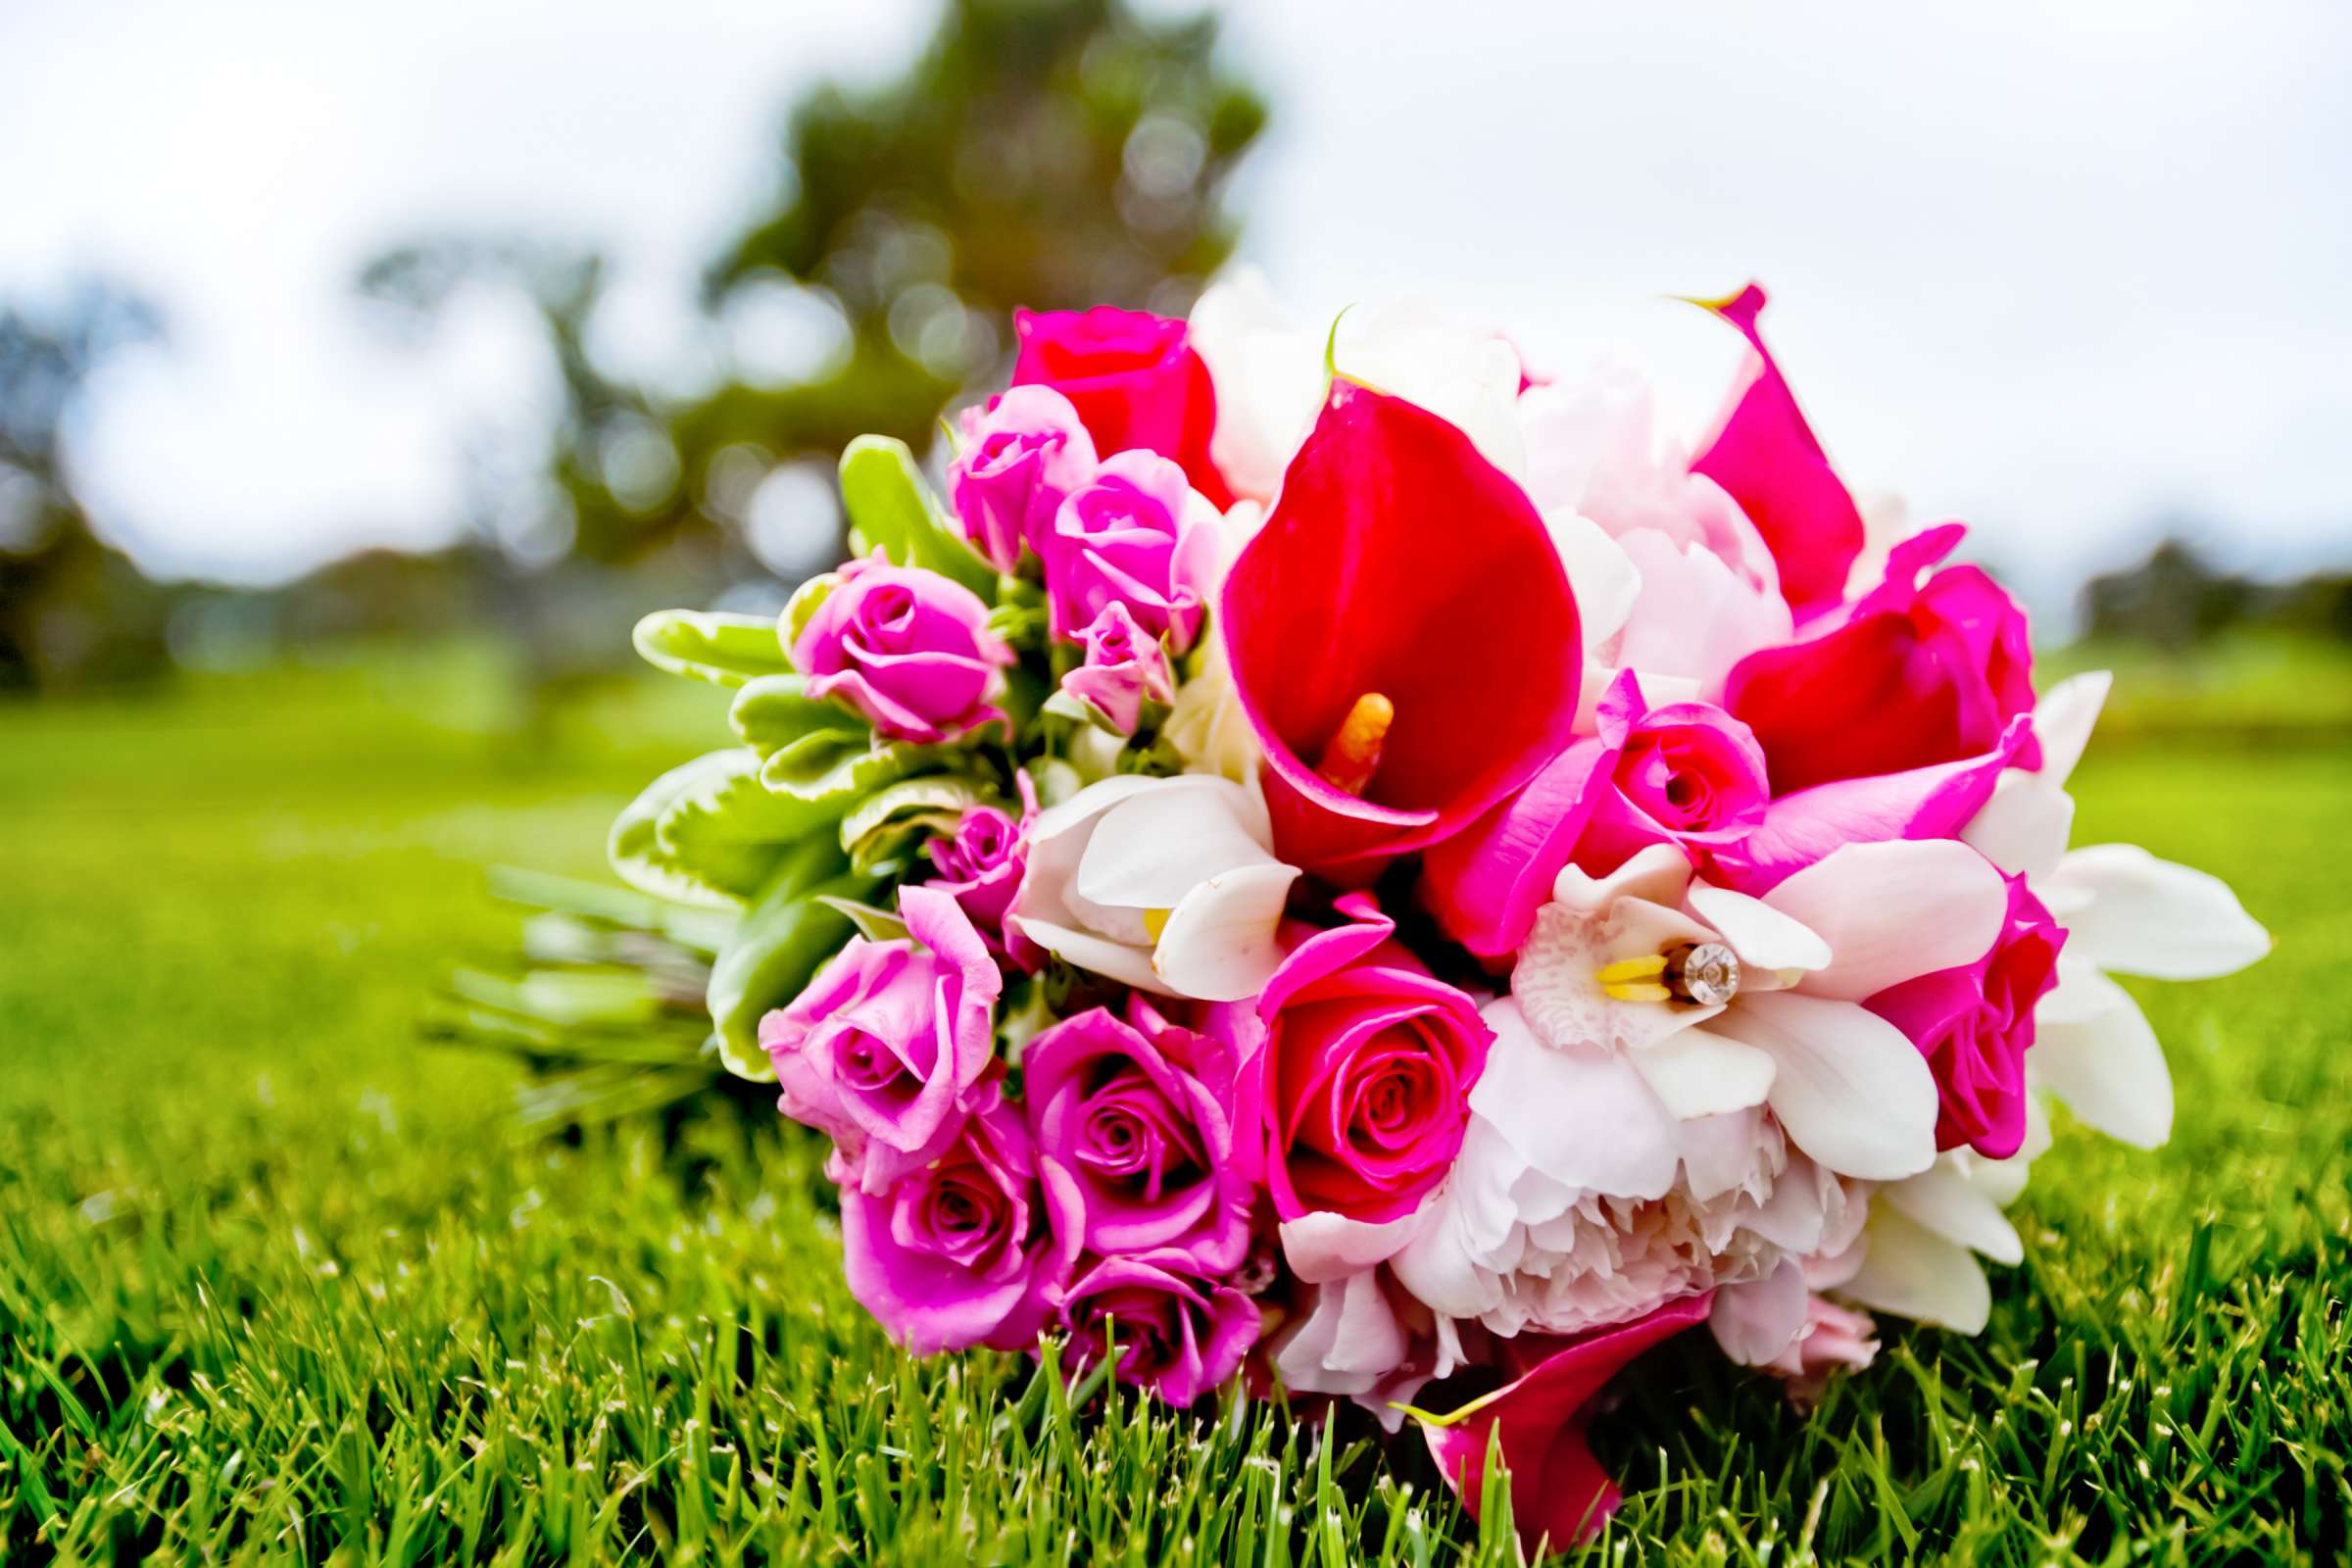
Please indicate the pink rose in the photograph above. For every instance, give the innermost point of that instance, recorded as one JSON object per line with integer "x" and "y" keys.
{"x": 1917, "y": 674}
{"x": 1361, "y": 1086}
{"x": 980, "y": 866}
{"x": 1136, "y": 535}
{"x": 1683, "y": 773}
{"x": 880, "y": 1048}
{"x": 1123, "y": 666}
{"x": 906, "y": 647}
{"x": 1975, "y": 1025}
{"x": 1834, "y": 1338}
{"x": 1133, "y": 377}
{"x": 1178, "y": 1336}
{"x": 967, "y": 1248}
{"x": 1021, "y": 454}
{"x": 1138, "y": 1117}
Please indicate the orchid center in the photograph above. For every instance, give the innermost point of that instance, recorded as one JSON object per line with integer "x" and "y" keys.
{"x": 1353, "y": 757}
{"x": 1703, "y": 972}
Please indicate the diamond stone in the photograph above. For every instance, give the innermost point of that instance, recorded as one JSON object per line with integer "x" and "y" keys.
{"x": 1704, "y": 972}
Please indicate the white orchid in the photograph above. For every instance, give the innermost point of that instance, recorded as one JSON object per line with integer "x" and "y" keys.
{"x": 2126, "y": 912}
{"x": 1166, "y": 884}
{"x": 1724, "y": 1002}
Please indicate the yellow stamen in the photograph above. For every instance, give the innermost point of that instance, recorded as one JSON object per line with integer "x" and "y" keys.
{"x": 1636, "y": 979}
{"x": 1156, "y": 921}
{"x": 1353, "y": 755}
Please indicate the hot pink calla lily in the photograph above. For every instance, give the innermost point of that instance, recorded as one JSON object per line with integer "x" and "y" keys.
{"x": 1766, "y": 455}
{"x": 1398, "y": 561}
{"x": 1559, "y": 1489}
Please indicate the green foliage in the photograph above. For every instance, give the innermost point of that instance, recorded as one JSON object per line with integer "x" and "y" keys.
{"x": 893, "y": 509}
{"x": 276, "y": 1285}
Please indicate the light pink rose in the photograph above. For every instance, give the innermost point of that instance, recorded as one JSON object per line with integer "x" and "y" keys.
{"x": 1124, "y": 665}
{"x": 1137, "y": 535}
{"x": 1022, "y": 452}
{"x": 967, "y": 1248}
{"x": 906, "y": 647}
{"x": 881, "y": 1048}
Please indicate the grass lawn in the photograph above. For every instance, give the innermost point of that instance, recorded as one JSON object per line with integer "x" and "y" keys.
{"x": 276, "y": 1281}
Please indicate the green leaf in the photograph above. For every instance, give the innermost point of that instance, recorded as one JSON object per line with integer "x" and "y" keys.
{"x": 773, "y": 711}
{"x": 802, "y": 604}
{"x": 887, "y": 824}
{"x": 892, "y": 510}
{"x": 786, "y": 935}
{"x": 831, "y": 774}
{"x": 874, "y": 923}
{"x": 709, "y": 833}
{"x": 710, "y": 644}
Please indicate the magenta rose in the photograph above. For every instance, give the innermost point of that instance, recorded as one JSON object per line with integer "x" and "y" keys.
{"x": 1022, "y": 452}
{"x": 1134, "y": 381}
{"x": 906, "y": 647}
{"x": 1177, "y": 1335}
{"x": 880, "y": 1048}
{"x": 1136, "y": 535}
{"x": 1124, "y": 665}
{"x": 1360, "y": 1086}
{"x": 1138, "y": 1114}
{"x": 1917, "y": 674}
{"x": 967, "y": 1248}
{"x": 1685, "y": 773}
{"x": 1975, "y": 1025}
{"x": 980, "y": 866}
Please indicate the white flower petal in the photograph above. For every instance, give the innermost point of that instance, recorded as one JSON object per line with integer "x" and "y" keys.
{"x": 1113, "y": 961}
{"x": 1655, "y": 872}
{"x": 1764, "y": 937}
{"x": 2148, "y": 917}
{"x": 1467, "y": 377}
{"x": 1893, "y": 912}
{"x": 2025, "y": 826}
{"x": 1219, "y": 943}
{"x": 1267, "y": 369}
{"x": 1695, "y": 1073}
{"x": 1603, "y": 579}
{"x": 1946, "y": 1200}
{"x": 1580, "y": 1114}
{"x": 1755, "y": 1320}
{"x": 1322, "y": 1245}
{"x": 2063, "y": 720}
{"x": 1160, "y": 843}
{"x": 2100, "y": 1056}
{"x": 1849, "y": 1090}
{"x": 1914, "y": 1273}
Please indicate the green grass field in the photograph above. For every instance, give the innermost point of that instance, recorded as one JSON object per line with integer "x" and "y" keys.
{"x": 276, "y": 1281}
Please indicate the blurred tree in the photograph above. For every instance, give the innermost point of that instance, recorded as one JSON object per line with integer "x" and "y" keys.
{"x": 2175, "y": 599}
{"x": 1050, "y": 153}
{"x": 73, "y": 608}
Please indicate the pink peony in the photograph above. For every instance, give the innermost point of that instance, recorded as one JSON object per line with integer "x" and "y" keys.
{"x": 969, "y": 1247}
{"x": 1975, "y": 1025}
{"x": 1137, "y": 1114}
{"x": 1177, "y": 1335}
{"x": 1133, "y": 377}
{"x": 1918, "y": 674}
{"x": 1360, "y": 1088}
{"x": 881, "y": 1048}
{"x": 1022, "y": 452}
{"x": 906, "y": 647}
{"x": 1834, "y": 1338}
{"x": 1136, "y": 535}
{"x": 1124, "y": 665}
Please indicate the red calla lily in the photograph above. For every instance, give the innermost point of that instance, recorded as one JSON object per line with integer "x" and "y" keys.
{"x": 1399, "y": 565}
{"x": 1766, "y": 455}
{"x": 1559, "y": 1489}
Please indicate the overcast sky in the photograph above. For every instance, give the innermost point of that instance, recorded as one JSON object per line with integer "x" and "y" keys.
{"x": 2058, "y": 269}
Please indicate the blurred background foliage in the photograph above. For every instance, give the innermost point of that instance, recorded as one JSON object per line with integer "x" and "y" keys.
{"x": 1047, "y": 153}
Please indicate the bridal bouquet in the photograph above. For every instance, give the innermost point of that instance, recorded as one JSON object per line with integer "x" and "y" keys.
{"x": 1330, "y": 858}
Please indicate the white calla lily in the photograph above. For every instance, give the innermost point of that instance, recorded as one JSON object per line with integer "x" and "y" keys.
{"x": 1166, "y": 884}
